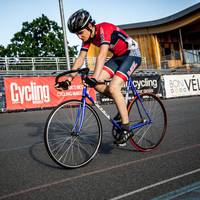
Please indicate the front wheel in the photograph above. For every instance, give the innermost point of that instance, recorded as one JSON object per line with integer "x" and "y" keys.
{"x": 73, "y": 134}
{"x": 149, "y": 136}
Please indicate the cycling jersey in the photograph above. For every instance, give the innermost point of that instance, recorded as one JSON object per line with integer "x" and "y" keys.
{"x": 126, "y": 54}
{"x": 117, "y": 39}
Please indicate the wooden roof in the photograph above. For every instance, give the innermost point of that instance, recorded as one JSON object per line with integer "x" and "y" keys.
{"x": 180, "y": 19}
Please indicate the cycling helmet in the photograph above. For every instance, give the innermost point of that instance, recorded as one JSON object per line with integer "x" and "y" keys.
{"x": 79, "y": 20}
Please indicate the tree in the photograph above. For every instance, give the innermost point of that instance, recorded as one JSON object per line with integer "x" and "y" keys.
{"x": 40, "y": 38}
{"x": 2, "y": 51}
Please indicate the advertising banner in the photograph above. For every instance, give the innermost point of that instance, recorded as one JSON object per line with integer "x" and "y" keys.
{"x": 181, "y": 85}
{"x": 143, "y": 83}
{"x": 39, "y": 92}
{"x": 147, "y": 83}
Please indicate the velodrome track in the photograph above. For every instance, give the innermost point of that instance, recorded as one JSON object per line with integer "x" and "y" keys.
{"x": 173, "y": 170}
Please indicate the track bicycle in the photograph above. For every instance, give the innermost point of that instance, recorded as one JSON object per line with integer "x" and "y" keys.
{"x": 73, "y": 131}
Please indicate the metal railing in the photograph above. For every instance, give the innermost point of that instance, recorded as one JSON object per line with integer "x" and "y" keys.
{"x": 42, "y": 63}
{"x": 33, "y": 63}
{"x": 191, "y": 58}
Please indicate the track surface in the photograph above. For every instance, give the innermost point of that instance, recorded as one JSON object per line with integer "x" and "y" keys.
{"x": 170, "y": 172}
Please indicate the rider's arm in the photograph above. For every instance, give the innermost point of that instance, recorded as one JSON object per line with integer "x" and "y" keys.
{"x": 101, "y": 58}
{"x": 78, "y": 63}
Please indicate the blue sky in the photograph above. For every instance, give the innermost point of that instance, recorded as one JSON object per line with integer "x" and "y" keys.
{"x": 15, "y": 12}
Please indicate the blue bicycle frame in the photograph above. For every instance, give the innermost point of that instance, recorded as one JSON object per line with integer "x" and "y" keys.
{"x": 81, "y": 111}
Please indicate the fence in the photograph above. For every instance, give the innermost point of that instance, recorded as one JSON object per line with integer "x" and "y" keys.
{"x": 35, "y": 90}
{"x": 192, "y": 58}
{"x": 42, "y": 63}
{"x": 43, "y": 67}
{"x": 10, "y": 64}
{"x": 33, "y": 63}
{"x": 22, "y": 92}
{"x": 2, "y": 95}
{"x": 174, "y": 59}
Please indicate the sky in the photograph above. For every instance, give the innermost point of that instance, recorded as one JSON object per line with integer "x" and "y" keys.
{"x": 15, "y": 12}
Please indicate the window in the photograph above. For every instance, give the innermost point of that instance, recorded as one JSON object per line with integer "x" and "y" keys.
{"x": 170, "y": 51}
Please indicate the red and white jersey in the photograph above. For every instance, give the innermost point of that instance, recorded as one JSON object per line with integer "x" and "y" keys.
{"x": 118, "y": 40}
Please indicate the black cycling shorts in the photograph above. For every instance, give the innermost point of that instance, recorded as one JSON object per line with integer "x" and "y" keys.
{"x": 122, "y": 66}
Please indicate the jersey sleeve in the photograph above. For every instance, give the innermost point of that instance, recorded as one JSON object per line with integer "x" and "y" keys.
{"x": 85, "y": 46}
{"x": 105, "y": 34}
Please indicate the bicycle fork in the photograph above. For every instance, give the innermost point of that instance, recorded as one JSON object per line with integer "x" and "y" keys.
{"x": 80, "y": 116}
{"x": 81, "y": 112}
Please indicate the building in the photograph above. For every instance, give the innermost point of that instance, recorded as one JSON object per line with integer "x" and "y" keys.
{"x": 170, "y": 42}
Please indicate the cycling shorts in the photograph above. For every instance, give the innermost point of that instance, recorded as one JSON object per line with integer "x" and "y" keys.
{"x": 123, "y": 66}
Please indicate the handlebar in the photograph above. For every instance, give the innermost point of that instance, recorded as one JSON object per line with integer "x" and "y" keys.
{"x": 83, "y": 71}
{"x": 84, "y": 74}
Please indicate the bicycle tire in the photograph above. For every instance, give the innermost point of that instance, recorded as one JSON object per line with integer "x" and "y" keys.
{"x": 67, "y": 147}
{"x": 147, "y": 137}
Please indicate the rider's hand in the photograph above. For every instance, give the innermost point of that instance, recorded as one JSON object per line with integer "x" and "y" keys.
{"x": 63, "y": 85}
{"x": 90, "y": 82}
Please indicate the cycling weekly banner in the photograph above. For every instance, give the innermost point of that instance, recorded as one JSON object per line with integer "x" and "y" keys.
{"x": 39, "y": 92}
{"x": 143, "y": 83}
{"x": 181, "y": 85}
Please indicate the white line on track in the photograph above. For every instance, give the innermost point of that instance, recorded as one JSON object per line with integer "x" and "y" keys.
{"x": 39, "y": 187}
{"x": 155, "y": 184}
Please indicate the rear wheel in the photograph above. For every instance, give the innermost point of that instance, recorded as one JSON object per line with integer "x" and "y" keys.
{"x": 149, "y": 136}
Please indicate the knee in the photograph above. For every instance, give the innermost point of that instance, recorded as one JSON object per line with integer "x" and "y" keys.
{"x": 99, "y": 88}
{"x": 114, "y": 89}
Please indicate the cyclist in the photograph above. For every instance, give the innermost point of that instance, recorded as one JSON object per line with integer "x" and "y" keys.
{"x": 126, "y": 58}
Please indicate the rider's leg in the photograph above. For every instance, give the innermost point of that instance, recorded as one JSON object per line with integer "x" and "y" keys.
{"x": 103, "y": 88}
{"x": 119, "y": 69}
{"x": 115, "y": 91}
